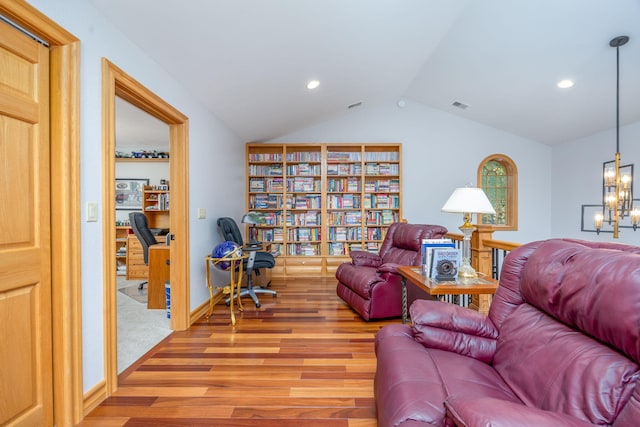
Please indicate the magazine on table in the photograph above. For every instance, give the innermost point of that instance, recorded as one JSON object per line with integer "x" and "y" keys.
{"x": 428, "y": 245}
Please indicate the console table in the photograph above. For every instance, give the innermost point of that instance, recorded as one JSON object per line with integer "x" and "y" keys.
{"x": 433, "y": 287}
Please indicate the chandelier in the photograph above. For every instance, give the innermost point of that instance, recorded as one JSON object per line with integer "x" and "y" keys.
{"x": 616, "y": 209}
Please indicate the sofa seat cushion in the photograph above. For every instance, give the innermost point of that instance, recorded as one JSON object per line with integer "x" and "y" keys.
{"x": 359, "y": 279}
{"x": 413, "y": 381}
{"x": 553, "y": 367}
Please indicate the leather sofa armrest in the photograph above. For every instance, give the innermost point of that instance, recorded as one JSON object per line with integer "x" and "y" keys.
{"x": 388, "y": 267}
{"x": 366, "y": 259}
{"x": 453, "y": 328}
{"x": 487, "y": 411}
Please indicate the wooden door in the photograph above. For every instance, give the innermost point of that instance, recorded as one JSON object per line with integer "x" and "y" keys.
{"x": 25, "y": 245}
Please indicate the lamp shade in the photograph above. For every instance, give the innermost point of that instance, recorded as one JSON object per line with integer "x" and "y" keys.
{"x": 468, "y": 200}
{"x": 252, "y": 218}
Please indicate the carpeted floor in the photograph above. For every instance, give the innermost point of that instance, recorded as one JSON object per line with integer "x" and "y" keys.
{"x": 139, "y": 329}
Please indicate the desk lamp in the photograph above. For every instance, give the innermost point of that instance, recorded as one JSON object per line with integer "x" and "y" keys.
{"x": 467, "y": 201}
{"x": 252, "y": 218}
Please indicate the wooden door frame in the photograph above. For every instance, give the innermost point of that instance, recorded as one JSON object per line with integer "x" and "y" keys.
{"x": 64, "y": 101}
{"x": 116, "y": 82}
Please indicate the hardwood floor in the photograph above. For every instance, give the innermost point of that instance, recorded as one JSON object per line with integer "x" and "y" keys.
{"x": 302, "y": 359}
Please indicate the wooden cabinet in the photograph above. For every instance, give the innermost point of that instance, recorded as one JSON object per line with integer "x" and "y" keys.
{"x": 320, "y": 201}
{"x": 155, "y": 204}
{"x": 136, "y": 268}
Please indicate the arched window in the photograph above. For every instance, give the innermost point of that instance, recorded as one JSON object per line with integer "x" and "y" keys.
{"x": 498, "y": 177}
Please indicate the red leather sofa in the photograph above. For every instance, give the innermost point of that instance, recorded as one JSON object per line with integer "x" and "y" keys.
{"x": 370, "y": 284}
{"x": 559, "y": 347}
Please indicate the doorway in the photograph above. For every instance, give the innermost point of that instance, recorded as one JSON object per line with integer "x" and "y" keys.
{"x": 142, "y": 158}
{"x": 117, "y": 84}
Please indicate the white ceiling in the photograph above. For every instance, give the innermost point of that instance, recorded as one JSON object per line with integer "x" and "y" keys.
{"x": 249, "y": 60}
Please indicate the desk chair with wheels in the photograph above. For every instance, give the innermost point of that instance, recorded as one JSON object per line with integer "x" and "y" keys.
{"x": 257, "y": 259}
{"x": 140, "y": 227}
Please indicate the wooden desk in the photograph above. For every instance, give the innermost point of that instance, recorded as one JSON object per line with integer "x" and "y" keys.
{"x": 414, "y": 275}
{"x": 158, "y": 274}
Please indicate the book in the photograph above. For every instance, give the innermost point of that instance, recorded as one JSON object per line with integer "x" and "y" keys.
{"x": 444, "y": 264}
{"x": 427, "y": 247}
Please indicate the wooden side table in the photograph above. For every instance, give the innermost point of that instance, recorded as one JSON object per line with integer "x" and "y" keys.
{"x": 432, "y": 287}
{"x": 216, "y": 293}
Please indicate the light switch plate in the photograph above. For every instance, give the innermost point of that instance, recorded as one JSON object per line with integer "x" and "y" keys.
{"x": 92, "y": 212}
{"x": 202, "y": 213}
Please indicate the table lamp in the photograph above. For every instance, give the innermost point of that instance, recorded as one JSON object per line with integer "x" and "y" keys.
{"x": 252, "y": 218}
{"x": 467, "y": 201}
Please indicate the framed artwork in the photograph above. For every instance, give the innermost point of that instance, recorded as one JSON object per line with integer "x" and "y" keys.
{"x": 129, "y": 193}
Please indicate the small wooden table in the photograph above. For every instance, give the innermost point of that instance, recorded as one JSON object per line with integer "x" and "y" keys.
{"x": 432, "y": 287}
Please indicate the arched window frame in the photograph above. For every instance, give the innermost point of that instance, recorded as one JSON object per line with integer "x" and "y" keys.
{"x": 511, "y": 194}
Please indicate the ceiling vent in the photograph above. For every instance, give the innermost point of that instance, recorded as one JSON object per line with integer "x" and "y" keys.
{"x": 460, "y": 105}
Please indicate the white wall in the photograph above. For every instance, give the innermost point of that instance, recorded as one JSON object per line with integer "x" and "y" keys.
{"x": 442, "y": 152}
{"x": 216, "y": 159}
{"x": 577, "y": 174}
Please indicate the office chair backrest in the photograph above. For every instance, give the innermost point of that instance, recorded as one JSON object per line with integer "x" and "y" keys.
{"x": 141, "y": 229}
{"x": 230, "y": 230}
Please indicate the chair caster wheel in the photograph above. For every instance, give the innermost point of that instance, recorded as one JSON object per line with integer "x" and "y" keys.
{"x": 258, "y": 305}
{"x": 227, "y": 303}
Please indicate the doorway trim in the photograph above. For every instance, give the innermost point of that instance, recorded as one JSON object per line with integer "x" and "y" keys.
{"x": 116, "y": 82}
{"x": 64, "y": 99}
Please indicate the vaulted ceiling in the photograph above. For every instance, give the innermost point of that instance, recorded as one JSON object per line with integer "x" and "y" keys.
{"x": 249, "y": 60}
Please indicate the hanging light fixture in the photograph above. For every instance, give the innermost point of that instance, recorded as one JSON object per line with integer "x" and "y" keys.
{"x": 617, "y": 179}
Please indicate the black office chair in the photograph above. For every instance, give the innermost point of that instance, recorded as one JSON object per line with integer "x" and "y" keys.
{"x": 140, "y": 227}
{"x": 257, "y": 259}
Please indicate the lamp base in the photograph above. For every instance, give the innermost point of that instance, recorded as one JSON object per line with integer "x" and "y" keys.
{"x": 466, "y": 273}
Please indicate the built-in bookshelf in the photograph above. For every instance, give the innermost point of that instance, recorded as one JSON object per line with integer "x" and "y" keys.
{"x": 321, "y": 201}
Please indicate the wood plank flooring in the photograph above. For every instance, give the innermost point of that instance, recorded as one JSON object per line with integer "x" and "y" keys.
{"x": 301, "y": 359}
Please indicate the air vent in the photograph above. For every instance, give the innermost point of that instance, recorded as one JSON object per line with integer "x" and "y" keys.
{"x": 460, "y": 105}
{"x": 354, "y": 105}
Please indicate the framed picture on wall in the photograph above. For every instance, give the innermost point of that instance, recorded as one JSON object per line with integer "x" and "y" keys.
{"x": 129, "y": 193}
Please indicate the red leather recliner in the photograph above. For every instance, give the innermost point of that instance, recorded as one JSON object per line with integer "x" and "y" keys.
{"x": 370, "y": 284}
{"x": 559, "y": 347}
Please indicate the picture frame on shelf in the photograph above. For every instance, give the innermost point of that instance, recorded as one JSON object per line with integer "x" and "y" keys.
{"x": 129, "y": 193}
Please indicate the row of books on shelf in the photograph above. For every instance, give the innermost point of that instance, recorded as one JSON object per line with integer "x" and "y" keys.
{"x": 300, "y": 184}
{"x": 304, "y": 218}
{"x": 344, "y": 169}
{"x": 383, "y": 217}
{"x": 265, "y": 201}
{"x": 265, "y": 157}
{"x": 343, "y": 185}
{"x": 304, "y": 156}
{"x": 303, "y": 234}
{"x": 343, "y": 156}
{"x": 380, "y": 201}
{"x": 308, "y": 201}
{"x": 344, "y": 218}
{"x": 265, "y": 170}
{"x": 345, "y": 233}
{"x": 382, "y": 169}
{"x": 303, "y": 249}
{"x": 270, "y": 234}
{"x": 440, "y": 259}
{"x": 303, "y": 169}
{"x": 266, "y": 184}
{"x": 382, "y": 185}
{"x": 161, "y": 203}
{"x": 343, "y": 201}
{"x": 389, "y": 156}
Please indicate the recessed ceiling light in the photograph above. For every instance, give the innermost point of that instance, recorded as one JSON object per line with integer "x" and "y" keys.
{"x": 565, "y": 84}
{"x": 313, "y": 84}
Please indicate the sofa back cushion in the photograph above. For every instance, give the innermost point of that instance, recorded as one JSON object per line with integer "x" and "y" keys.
{"x": 569, "y": 337}
{"x": 403, "y": 242}
{"x": 551, "y": 366}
